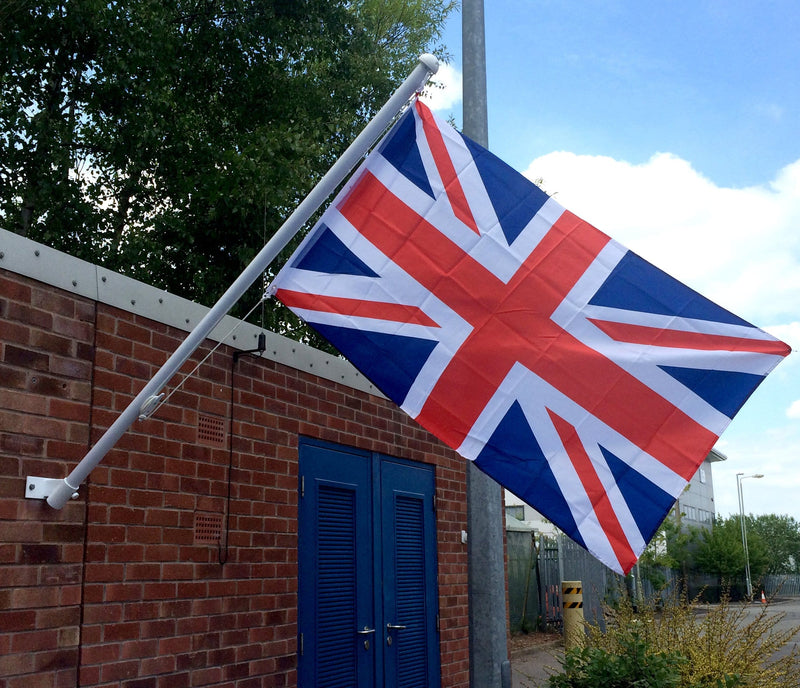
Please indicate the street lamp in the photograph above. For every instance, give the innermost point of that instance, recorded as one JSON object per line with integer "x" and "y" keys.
{"x": 748, "y": 582}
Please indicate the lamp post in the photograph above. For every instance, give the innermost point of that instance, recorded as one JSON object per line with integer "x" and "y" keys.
{"x": 748, "y": 582}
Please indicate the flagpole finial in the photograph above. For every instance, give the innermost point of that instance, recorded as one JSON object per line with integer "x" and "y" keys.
{"x": 430, "y": 62}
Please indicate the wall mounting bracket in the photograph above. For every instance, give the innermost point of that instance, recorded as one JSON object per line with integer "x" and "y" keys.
{"x": 42, "y": 488}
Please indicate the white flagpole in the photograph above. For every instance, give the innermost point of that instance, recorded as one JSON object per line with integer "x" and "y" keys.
{"x": 426, "y": 66}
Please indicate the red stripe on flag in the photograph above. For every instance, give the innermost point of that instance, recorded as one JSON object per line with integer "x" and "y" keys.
{"x": 396, "y": 312}
{"x": 678, "y": 339}
{"x": 595, "y": 490}
{"x": 447, "y": 172}
{"x": 511, "y": 323}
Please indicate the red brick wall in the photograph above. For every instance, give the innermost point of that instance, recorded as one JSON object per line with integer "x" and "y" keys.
{"x": 125, "y": 585}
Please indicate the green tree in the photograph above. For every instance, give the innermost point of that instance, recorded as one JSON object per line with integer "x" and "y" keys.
{"x": 720, "y": 551}
{"x": 783, "y": 535}
{"x": 168, "y": 139}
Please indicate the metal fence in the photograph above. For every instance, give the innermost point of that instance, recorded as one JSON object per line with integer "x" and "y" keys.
{"x": 523, "y": 582}
{"x": 539, "y": 563}
{"x": 781, "y": 585}
{"x": 561, "y": 559}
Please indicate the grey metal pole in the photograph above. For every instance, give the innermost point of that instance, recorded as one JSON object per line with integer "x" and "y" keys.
{"x": 747, "y": 579}
{"x": 489, "y": 665}
{"x": 426, "y": 66}
{"x": 744, "y": 536}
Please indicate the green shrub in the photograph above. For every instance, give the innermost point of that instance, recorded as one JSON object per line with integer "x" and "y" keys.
{"x": 676, "y": 644}
{"x": 631, "y": 666}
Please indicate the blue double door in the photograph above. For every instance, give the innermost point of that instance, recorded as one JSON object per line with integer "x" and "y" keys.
{"x": 368, "y": 602}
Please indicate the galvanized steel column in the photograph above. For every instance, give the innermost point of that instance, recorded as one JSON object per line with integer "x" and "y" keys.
{"x": 489, "y": 665}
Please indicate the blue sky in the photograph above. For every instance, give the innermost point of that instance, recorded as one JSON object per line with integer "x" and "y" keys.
{"x": 675, "y": 128}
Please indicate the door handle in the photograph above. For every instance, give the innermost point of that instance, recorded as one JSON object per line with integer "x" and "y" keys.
{"x": 394, "y": 627}
{"x": 366, "y": 631}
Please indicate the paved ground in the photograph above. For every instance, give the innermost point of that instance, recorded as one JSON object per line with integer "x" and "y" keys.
{"x": 531, "y": 667}
{"x": 789, "y": 609}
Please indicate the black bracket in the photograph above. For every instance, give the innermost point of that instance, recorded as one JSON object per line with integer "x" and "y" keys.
{"x": 260, "y": 349}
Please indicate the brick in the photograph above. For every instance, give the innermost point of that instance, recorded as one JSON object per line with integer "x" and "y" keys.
{"x": 155, "y": 666}
{"x": 68, "y": 409}
{"x": 121, "y": 592}
{"x": 52, "y": 300}
{"x": 23, "y": 313}
{"x": 69, "y": 637}
{"x": 99, "y": 573}
{"x": 116, "y": 632}
{"x": 121, "y": 514}
{"x": 17, "y": 621}
{"x": 52, "y": 343}
{"x": 174, "y": 645}
{"x": 99, "y": 654}
{"x": 143, "y": 571}
{"x": 105, "y": 613}
{"x": 141, "y": 611}
{"x": 15, "y": 664}
{"x": 39, "y": 554}
{"x": 39, "y": 596}
{"x": 14, "y": 288}
{"x": 182, "y": 678}
{"x": 119, "y": 671}
{"x": 134, "y": 649}
{"x": 63, "y": 532}
{"x": 62, "y": 574}
{"x": 26, "y": 403}
{"x": 58, "y": 660}
{"x": 125, "y": 553}
{"x": 75, "y": 330}
{"x": 159, "y": 591}
{"x": 32, "y": 641}
{"x": 149, "y": 682}
{"x": 157, "y": 628}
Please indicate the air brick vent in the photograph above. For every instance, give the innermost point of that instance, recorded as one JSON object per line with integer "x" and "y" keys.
{"x": 207, "y": 528}
{"x": 211, "y": 430}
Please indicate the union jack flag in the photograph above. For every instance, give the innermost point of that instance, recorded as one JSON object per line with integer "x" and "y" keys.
{"x": 579, "y": 376}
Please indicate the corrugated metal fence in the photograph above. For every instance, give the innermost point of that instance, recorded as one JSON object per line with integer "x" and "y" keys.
{"x": 562, "y": 559}
{"x": 537, "y": 565}
{"x": 782, "y": 585}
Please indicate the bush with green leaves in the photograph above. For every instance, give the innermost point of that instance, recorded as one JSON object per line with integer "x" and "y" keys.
{"x": 682, "y": 645}
{"x": 630, "y": 665}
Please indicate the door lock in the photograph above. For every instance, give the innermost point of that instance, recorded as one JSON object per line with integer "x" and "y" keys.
{"x": 389, "y": 628}
{"x": 366, "y": 631}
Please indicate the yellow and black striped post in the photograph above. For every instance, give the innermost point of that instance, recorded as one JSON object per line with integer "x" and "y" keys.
{"x": 572, "y": 602}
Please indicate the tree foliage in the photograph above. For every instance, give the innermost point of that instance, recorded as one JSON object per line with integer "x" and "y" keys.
{"x": 721, "y": 552}
{"x": 773, "y": 543}
{"x": 167, "y": 139}
{"x": 782, "y": 534}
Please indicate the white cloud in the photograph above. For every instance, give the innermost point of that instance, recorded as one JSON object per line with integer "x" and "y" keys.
{"x": 444, "y": 89}
{"x": 739, "y": 247}
{"x": 794, "y": 410}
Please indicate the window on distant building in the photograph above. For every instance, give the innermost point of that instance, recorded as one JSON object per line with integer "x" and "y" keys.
{"x": 516, "y": 510}
{"x": 702, "y": 474}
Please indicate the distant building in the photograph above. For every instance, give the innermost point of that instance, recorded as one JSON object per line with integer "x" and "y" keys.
{"x": 696, "y": 503}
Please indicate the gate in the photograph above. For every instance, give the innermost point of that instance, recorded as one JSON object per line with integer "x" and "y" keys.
{"x": 562, "y": 559}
